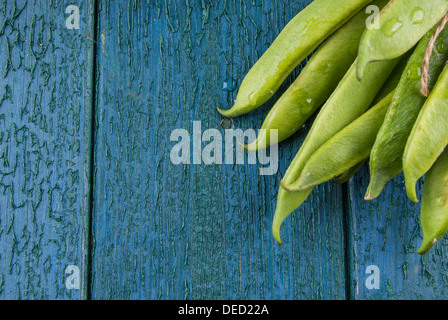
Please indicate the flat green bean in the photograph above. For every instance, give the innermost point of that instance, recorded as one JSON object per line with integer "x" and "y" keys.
{"x": 434, "y": 210}
{"x": 384, "y": 92}
{"x": 316, "y": 82}
{"x": 350, "y": 100}
{"x": 401, "y": 25}
{"x": 297, "y": 40}
{"x": 386, "y": 158}
{"x": 347, "y": 175}
{"x": 345, "y": 149}
{"x": 394, "y": 79}
{"x": 428, "y": 137}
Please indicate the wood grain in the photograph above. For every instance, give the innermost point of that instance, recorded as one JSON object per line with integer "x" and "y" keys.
{"x": 387, "y": 233}
{"x": 45, "y": 122}
{"x": 165, "y": 231}
{"x": 196, "y": 231}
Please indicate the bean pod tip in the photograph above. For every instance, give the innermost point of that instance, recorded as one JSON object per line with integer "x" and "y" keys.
{"x": 427, "y": 245}
{"x": 410, "y": 184}
{"x": 227, "y": 113}
{"x": 245, "y": 146}
{"x": 276, "y": 232}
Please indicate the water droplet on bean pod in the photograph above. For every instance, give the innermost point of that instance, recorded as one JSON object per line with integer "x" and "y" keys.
{"x": 440, "y": 201}
{"x": 391, "y": 27}
{"x": 418, "y": 15}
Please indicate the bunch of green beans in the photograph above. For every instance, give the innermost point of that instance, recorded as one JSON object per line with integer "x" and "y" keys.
{"x": 374, "y": 104}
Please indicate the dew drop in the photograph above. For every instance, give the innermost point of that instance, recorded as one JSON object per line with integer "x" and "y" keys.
{"x": 418, "y": 15}
{"x": 396, "y": 27}
{"x": 391, "y": 27}
{"x": 441, "y": 201}
{"x": 229, "y": 84}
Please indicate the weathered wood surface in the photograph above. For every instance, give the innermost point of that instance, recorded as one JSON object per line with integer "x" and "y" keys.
{"x": 45, "y": 124}
{"x": 159, "y": 230}
{"x": 387, "y": 233}
{"x": 198, "y": 232}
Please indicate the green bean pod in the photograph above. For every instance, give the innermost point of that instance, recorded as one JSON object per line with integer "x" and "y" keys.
{"x": 350, "y": 173}
{"x": 385, "y": 90}
{"x": 297, "y": 40}
{"x": 287, "y": 202}
{"x": 345, "y": 149}
{"x": 434, "y": 210}
{"x": 401, "y": 25}
{"x": 386, "y": 158}
{"x": 350, "y": 100}
{"x": 428, "y": 137}
{"x": 316, "y": 82}
{"x": 394, "y": 79}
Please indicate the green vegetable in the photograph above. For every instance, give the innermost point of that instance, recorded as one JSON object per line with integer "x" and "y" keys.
{"x": 346, "y": 149}
{"x": 387, "y": 154}
{"x": 428, "y": 137}
{"x": 401, "y": 25}
{"x": 298, "y": 39}
{"x": 347, "y": 175}
{"x": 394, "y": 79}
{"x": 434, "y": 211}
{"x": 350, "y": 100}
{"x": 315, "y": 83}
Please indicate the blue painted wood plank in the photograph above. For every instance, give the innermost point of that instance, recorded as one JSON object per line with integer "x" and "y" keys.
{"x": 45, "y": 122}
{"x": 386, "y": 233}
{"x": 163, "y": 231}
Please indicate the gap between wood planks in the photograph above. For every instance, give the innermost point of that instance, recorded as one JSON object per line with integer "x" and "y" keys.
{"x": 87, "y": 294}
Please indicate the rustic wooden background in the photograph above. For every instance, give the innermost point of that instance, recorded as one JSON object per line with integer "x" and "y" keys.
{"x": 86, "y": 179}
